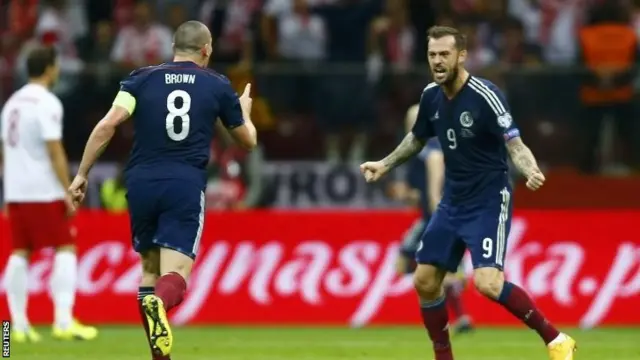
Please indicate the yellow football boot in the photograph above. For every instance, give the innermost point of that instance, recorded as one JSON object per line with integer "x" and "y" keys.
{"x": 76, "y": 331}
{"x": 29, "y": 335}
{"x": 160, "y": 336}
{"x": 562, "y": 348}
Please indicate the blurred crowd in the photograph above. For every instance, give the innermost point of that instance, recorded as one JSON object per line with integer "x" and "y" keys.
{"x": 333, "y": 78}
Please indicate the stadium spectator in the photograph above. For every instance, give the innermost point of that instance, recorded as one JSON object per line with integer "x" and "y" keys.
{"x": 394, "y": 38}
{"x": 9, "y": 50}
{"x": 560, "y": 21}
{"x": 609, "y": 52}
{"x": 516, "y": 50}
{"x": 175, "y": 14}
{"x": 64, "y": 23}
{"x": 301, "y": 34}
{"x": 273, "y": 12}
{"x": 392, "y": 46}
{"x": 144, "y": 42}
{"x": 479, "y": 53}
{"x": 98, "y": 56}
{"x": 231, "y": 25}
{"x": 422, "y": 16}
{"x": 22, "y": 17}
{"x": 61, "y": 24}
{"x": 300, "y": 50}
{"x": 346, "y": 96}
{"x": 187, "y": 8}
{"x": 529, "y": 13}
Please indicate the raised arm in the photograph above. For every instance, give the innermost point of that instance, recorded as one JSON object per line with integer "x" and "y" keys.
{"x": 235, "y": 115}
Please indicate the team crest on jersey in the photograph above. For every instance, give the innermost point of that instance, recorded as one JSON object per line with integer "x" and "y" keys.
{"x": 466, "y": 120}
{"x": 505, "y": 120}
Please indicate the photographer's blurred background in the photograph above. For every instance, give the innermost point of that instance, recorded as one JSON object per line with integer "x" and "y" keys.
{"x": 333, "y": 79}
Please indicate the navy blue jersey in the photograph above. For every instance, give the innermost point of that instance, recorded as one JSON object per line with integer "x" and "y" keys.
{"x": 177, "y": 104}
{"x": 417, "y": 175}
{"x": 472, "y": 128}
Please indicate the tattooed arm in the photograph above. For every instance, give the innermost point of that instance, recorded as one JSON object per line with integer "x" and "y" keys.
{"x": 412, "y": 143}
{"x": 522, "y": 157}
{"x": 408, "y": 147}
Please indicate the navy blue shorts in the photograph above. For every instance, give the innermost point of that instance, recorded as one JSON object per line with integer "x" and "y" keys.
{"x": 482, "y": 228}
{"x": 166, "y": 213}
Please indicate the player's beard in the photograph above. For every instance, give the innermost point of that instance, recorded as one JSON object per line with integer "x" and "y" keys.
{"x": 450, "y": 76}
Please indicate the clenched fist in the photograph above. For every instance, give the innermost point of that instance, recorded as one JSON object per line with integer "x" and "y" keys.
{"x": 373, "y": 170}
{"x": 78, "y": 190}
{"x": 535, "y": 180}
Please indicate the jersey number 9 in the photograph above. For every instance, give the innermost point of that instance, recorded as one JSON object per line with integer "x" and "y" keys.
{"x": 181, "y": 114}
{"x": 451, "y": 136}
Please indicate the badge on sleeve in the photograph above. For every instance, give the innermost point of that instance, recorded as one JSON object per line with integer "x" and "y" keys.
{"x": 505, "y": 120}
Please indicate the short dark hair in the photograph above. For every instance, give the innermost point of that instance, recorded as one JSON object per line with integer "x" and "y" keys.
{"x": 437, "y": 32}
{"x": 40, "y": 59}
{"x": 191, "y": 36}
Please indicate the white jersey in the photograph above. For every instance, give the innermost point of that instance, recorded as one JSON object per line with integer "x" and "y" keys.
{"x": 30, "y": 118}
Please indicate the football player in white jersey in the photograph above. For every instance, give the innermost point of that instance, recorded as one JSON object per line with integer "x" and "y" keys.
{"x": 36, "y": 176}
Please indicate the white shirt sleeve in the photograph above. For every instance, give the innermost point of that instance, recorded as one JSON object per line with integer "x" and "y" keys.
{"x": 50, "y": 118}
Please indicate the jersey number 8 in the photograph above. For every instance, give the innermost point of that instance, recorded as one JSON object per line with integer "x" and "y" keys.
{"x": 182, "y": 113}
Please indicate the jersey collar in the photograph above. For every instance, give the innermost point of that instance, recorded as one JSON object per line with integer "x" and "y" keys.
{"x": 184, "y": 63}
{"x": 462, "y": 88}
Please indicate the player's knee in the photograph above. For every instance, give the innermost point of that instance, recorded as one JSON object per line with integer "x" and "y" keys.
{"x": 489, "y": 281}
{"x": 181, "y": 268}
{"x": 176, "y": 262}
{"x": 427, "y": 283}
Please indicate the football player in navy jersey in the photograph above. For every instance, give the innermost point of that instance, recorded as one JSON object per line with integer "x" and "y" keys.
{"x": 471, "y": 118}
{"x": 423, "y": 188}
{"x": 174, "y": 108}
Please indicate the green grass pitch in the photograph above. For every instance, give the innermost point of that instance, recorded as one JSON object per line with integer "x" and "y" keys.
{"x": 235, "y": 343}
